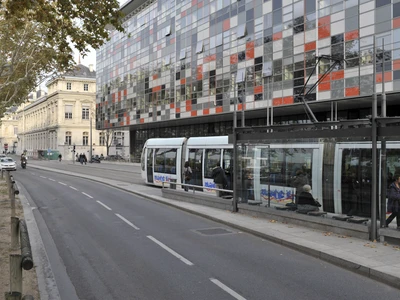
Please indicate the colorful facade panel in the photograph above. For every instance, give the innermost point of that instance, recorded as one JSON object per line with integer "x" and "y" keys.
{"x": 186, "y": 59}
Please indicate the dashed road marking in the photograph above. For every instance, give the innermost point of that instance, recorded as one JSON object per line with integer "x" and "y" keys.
{"x": 51, "y": 179}
{"x": 87, "y": 195}
{"x": 43, "y": 177}
{"x": 62, "y": 183}
{"x": 73, "y": 188}
{"x": 101, "y": 203}
{"x": 127, "y": 222}
{"x": 165, "y": 247}
{"x": 227, "y": 289}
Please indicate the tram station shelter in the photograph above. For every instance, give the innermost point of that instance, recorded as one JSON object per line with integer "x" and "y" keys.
{"x": 186, "y": 68}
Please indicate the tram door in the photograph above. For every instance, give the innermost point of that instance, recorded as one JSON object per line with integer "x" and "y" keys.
{"x": 149, "y": 165}
{"x": 356, "y": 182}
{"x": 196, "y": 163}
{"x": 227, "y": 165}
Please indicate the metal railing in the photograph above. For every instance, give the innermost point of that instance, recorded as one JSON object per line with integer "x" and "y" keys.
{"x": 19, "y": 239}
{"x": 172, "y": 185}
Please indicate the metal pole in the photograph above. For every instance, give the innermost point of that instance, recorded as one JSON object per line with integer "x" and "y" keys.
{"x": 383, "y": 147}
{"x": 235, "y": 167}
{"x": 374, "y": 154}
{"x": 90, "y": 143}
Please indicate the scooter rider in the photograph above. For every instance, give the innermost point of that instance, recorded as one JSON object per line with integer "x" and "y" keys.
{"x": 23, "y": 160}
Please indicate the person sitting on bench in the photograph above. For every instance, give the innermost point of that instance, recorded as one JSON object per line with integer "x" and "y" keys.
{"x": 306, "y": 202}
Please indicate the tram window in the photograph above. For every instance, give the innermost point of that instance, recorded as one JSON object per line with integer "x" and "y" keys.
{"x": 143, "y": 159}
{"x": 285, "y": 163}
{"x": 212, "y": 159}
{"x": 165, "y": 161}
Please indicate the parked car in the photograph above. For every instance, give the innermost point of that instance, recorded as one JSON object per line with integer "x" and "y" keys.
{"x": 7, "y": 163}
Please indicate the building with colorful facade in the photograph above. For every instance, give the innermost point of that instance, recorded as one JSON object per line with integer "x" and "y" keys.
{"x": 181, "y": 65}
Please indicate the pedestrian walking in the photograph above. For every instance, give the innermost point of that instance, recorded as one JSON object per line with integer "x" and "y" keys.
{"x": 188, "y": 175}
{"x": 394, "y": 201}
{"x": 220, "y": 179}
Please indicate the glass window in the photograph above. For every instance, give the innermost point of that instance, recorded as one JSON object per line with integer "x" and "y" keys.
{"x": 85, "y": 139}
{"x": 212, "y": 159}
{"x": 165, "y": 161}
{"x": 267, "y": 69}
{"x": 68, "y": 136}
{"x": 102, "y": 139}
{"x": 68, "y": 111}
{"x": 69, "y": 85}
{"x": 168, "y": 30}
{"x": 85, "y": 87}
{"x": 85, "y": 113}
{"x": 241, "y": 31}
{"x": 199, "y": 47}
{"x": 241, "y": 75}
{"x": 182, "y": 54}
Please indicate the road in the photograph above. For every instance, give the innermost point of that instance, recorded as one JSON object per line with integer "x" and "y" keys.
{"x": 115, "y": 245}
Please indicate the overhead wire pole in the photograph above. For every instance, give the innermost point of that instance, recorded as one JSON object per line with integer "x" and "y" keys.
{"x": 235, "y": 166}
{"x": 374, "y": 153}
{"x": 383, "y": 146}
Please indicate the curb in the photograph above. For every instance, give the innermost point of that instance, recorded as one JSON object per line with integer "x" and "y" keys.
{"x": 346, "y": 264}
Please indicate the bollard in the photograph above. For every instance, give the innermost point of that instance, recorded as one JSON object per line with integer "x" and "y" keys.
{"x": 26, "y": 251}
{"x": 14, "y": 233}
{"x": 13, "y": 296}
{"x": 12, "y": 199}
{"x": 15, "y": 273}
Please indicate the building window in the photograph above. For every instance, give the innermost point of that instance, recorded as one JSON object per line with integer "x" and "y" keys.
{"x": 69, "y": 85}
{"x": 85, "y": 113}
{"x": 15, "y": 130}
{"x": 85, "y": 140}
{"x": 241, "y": 31}
{"x": 241, "y": 74}
{"x": 102, "y": 141}
{"x": 267, "y": 69}
{"x": 182, "y": 54}
{"x": 68, "y": 111}
{"x": 68, "y": 138}
{"x": 85, "y": 87}
{"x": 199, "y": 47}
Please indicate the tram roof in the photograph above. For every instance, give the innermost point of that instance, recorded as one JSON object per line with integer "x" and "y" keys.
{"x": 208, "y": 141}
{"x": 166, "y": 142}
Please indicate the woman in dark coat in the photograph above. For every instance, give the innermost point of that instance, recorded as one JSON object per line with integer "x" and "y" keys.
{"x": 394, "y": 201}
{"x": 306, "y": 201}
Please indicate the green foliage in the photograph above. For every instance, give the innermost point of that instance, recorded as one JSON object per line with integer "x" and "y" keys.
{"x": 37, "y": 36}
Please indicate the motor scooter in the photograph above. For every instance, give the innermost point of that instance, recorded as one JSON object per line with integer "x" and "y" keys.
{"x": 23, "y": 164}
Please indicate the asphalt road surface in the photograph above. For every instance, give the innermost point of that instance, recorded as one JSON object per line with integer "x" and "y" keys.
{"x": 115, "y": 245}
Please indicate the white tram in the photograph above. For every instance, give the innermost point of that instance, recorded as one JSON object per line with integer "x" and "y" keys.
{"x": 339, "y": 173}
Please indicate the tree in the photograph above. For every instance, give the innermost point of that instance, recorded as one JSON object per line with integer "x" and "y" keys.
{"x": 108, "y": 138}
{"x": 37, "y": 37}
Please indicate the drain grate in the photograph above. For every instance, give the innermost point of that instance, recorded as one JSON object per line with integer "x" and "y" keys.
{"x": 213, "y": 231}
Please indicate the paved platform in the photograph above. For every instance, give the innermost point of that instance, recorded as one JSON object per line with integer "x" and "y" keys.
{"x": 379, "y": 261}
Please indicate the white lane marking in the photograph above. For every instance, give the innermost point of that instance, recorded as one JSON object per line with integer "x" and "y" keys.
{"x": 87, "y": 195}
{"x": 32, "y": 173}
{"x": 62, "y": 183}
{"x": 227, "y": 289}
{"x": 101, "y": 203}
{"x": 127, "y": 222}
{"x": 51, "y": 179}
{"x": 73, "y": 188}
{"x": 42, "y": 176}
{"x": 177, "y": 255}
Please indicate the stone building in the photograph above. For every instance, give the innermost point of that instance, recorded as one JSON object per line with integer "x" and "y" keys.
{"x": 56, "y": 122}
{"x": 9, "y": 131}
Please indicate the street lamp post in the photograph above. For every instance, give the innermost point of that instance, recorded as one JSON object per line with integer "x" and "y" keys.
{"x": 90, "y": 138}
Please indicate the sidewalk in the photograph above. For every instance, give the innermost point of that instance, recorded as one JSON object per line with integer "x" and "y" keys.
{"x": 379, "y": 261}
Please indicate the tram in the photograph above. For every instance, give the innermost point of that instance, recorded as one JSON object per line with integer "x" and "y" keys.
{"x": 340, "y": 173}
